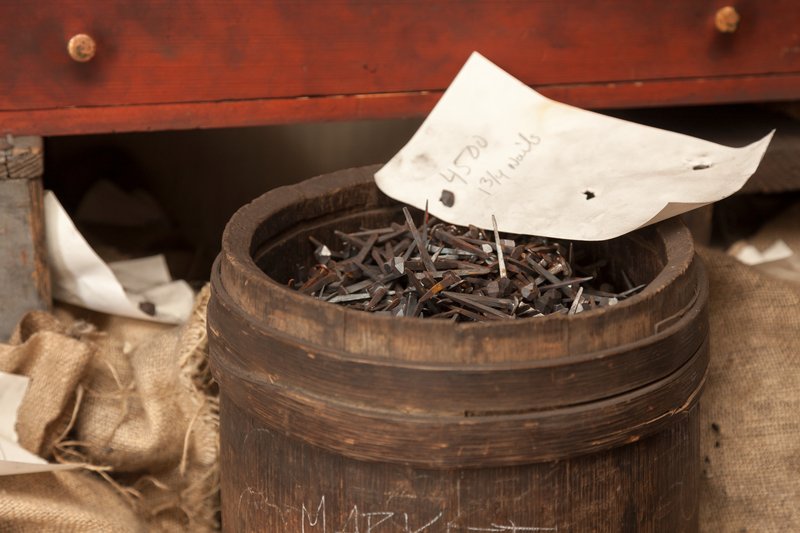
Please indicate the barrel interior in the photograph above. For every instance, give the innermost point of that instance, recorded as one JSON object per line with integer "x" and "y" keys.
{"x": 281, "y": 254}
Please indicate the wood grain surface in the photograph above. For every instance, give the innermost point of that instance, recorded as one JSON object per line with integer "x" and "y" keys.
{"x": 24, "y": 277}
{"x": 209, "y": 64}
{"x": 271, "y": 482}
{"x": 263, "y": 111}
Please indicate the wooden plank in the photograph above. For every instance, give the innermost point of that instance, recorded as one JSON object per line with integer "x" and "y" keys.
{"x": 231, "y": 113}
{"x": 24, "y": 277}
{"x": 21, "y": 158}
{"x": 155, "y": 52}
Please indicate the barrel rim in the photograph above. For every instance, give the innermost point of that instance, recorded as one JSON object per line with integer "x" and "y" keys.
{"x": 697, "y": 303}
{"x": 237, "y": 249}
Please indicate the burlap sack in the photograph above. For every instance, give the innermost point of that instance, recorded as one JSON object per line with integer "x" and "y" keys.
{"x": 750, "y": 410}
{"x": 145, "y": 419}
{"x": 64, "y": 502}
{"x": 50, "y": 353}
{"x": 150, "y": 408}
{"x": 131, "y": 413}
{"x": 42, "y": 348}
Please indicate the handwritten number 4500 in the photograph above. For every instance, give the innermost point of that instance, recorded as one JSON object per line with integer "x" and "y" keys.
{"x": 471, "y": 151}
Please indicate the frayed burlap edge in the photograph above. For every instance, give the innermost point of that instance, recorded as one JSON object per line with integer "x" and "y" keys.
{"x": 185, "y": 497}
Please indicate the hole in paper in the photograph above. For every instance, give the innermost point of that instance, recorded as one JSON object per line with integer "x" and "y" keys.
{"x": 447, "y": 198}
{"x": 701, "y": 166}
{"x": 589, "y": 194}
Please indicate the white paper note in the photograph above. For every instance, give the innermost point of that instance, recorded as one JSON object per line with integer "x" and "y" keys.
{"x": 493, "y": 145}
{"x": 750, "y": 255}
{"x": 14, "y": 459}
{"x": 81, "y": 277}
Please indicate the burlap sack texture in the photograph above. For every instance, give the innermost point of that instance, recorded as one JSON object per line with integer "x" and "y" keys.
{"x": 133, "y": 401}
{"x": 750, "y": 410}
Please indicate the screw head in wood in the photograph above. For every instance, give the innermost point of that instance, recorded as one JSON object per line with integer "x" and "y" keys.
{"x": 727, "y": 19}
{"x": 81, "y": 48}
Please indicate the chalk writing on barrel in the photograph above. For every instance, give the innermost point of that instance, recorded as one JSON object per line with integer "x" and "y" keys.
{"x": 314, "y": 519}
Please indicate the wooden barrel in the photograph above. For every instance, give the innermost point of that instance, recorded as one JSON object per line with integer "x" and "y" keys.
{"x": 335, "y": 420}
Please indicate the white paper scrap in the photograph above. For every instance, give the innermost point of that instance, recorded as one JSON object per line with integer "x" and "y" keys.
{"x": 81, "y": 277}
{"x": 12, "y": 391}
{"x": 14, "y": 459}
{"x": 494, "y": 146}
{"x": 750, "y": 255}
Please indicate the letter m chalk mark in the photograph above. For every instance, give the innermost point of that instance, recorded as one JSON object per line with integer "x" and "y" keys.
{"x": 315, "y": 522}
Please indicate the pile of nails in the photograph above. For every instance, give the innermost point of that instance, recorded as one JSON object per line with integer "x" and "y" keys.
{"x": 438, "y": 270}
